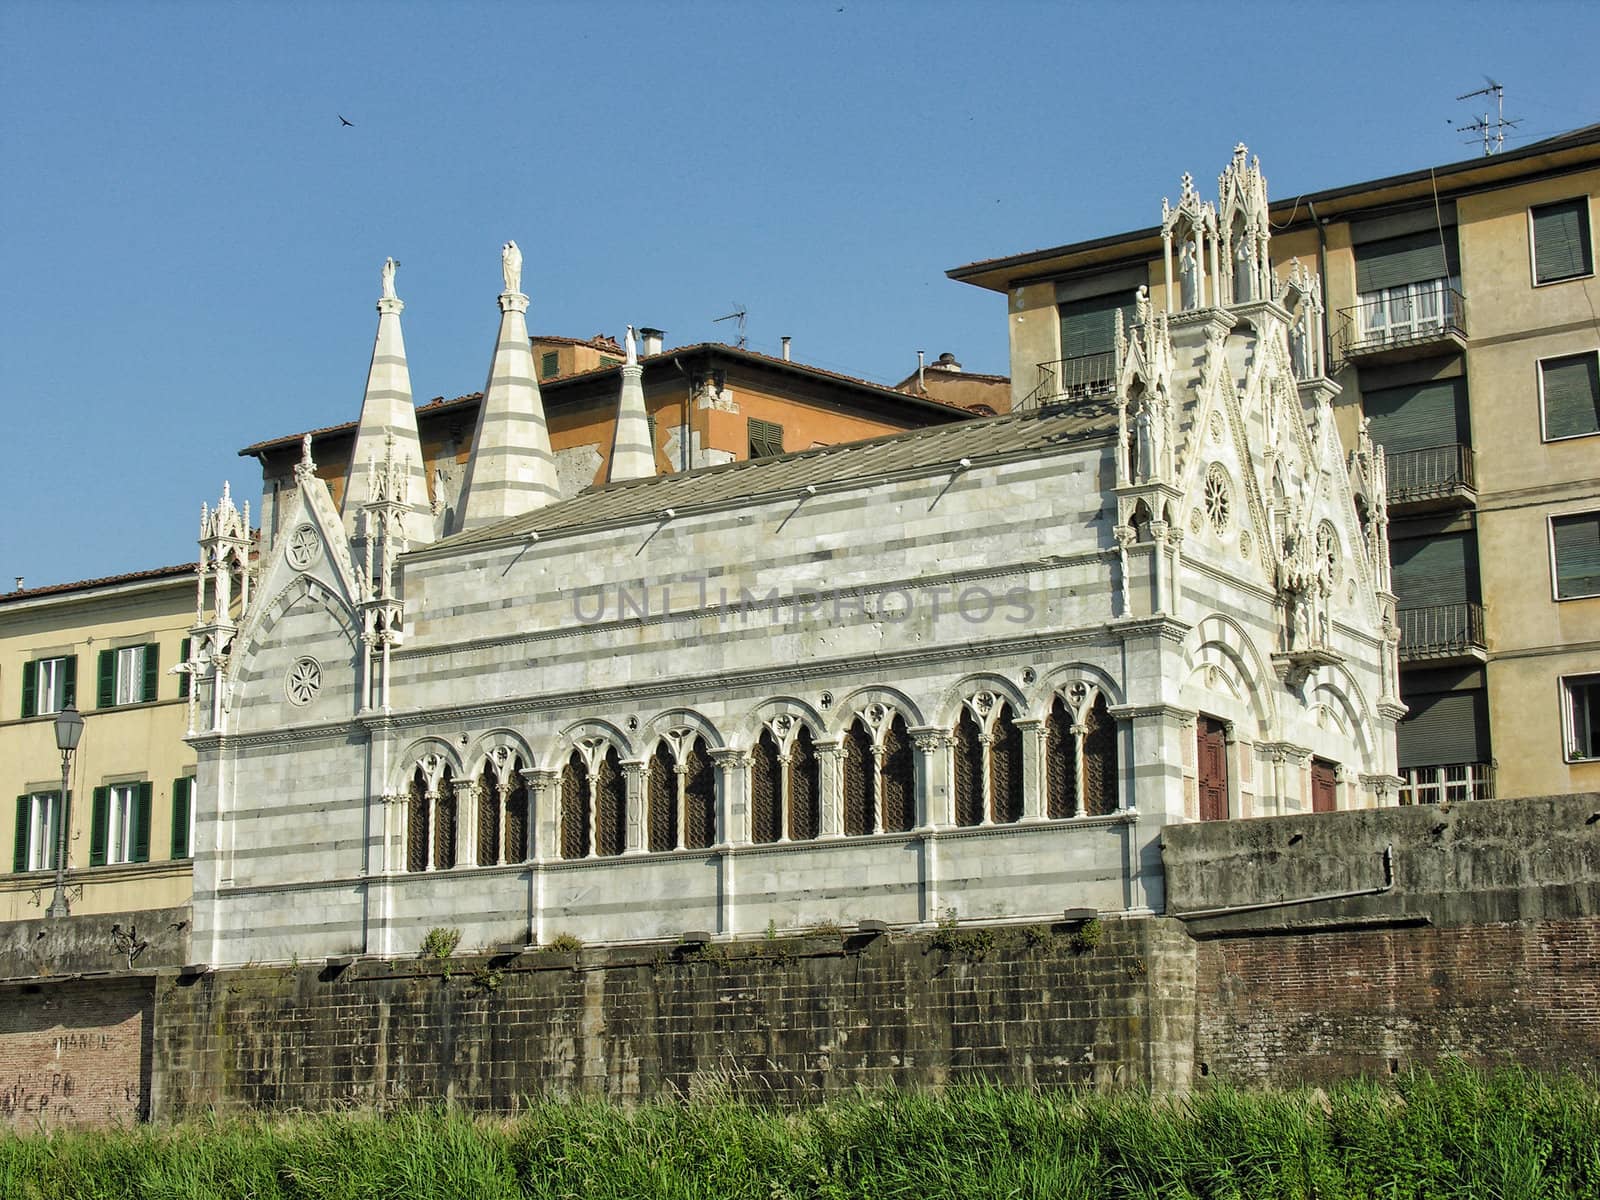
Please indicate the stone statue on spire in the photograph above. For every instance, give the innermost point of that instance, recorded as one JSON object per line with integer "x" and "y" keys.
{"x": 630, "y": 347}
{"x": 511, "y": 266}
{"x": 389, "y": 265}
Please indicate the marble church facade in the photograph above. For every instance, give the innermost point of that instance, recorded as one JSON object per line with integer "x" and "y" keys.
{"x": 969, "y": 669}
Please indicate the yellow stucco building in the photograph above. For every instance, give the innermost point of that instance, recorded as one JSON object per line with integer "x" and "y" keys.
{"x": 1461, "y": 323}
{"x": 105, "y": 646}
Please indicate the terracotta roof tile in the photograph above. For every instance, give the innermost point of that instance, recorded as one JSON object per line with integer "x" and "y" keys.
{"x": 83, "y": 585}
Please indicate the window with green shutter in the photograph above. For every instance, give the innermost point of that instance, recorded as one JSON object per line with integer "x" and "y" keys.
{"x": 99, "y": 826}
{"x": 38, "y": 832}
{"x": 1569, "y": 390}
{"x": 127, "y": 675}
{"x": 1575, "y": 541}
{"x": 766, "y": 438}
{"x": 549, "y": 364}
{"x": 183, "y": 817}
{"x": 183, "y": 680}
{"x": 49, "y": 685}
{"x": 1561, "y": 246}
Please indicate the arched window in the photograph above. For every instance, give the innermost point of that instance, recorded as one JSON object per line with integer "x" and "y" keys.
{"x": 418, "y": 812}
{"x": 764, "y": 784}
{"x": 575, "y": 808}
{"x": 805, "y": 800}
{"x": 899, "y": 778}
{"x": 662, "y": 799}
{"x": 444, "y": 810}
{"x": 1005, "y": 769}
{"x": 1100, "y": 777}
{"x": 969, "y": 770}
{"x": 516, "y": 847}
{"x": 700, "y": 798}
{"x": 860, "y": 779}
{"x": 1061, "y": 763}
{"x": 610, "y": 805}
{"x": 489, "y": 813}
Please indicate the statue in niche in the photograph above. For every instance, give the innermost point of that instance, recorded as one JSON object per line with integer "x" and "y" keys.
{"x": 387, "y": 277}
{"x": 1300, "y": 347}
{"x": 1189, "y": 274}
{"x": 1244, "y": 281}
{"x": 511, "y": 266}
{"x": 1144, "y": 427}
{"x": 1300, "y": 632}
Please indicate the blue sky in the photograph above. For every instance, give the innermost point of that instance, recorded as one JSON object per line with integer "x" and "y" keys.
{"x": 190, "y": 241}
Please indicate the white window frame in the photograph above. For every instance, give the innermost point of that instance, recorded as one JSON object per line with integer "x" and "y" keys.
{"x": 1544, "y": 434}
{"x": 122, "y": 799}
{"x": 1550, "y": 534}
{"x": 1533, "y": 249}
{"x": 41, "y": 846}
{"x": 1569, "y": 717}
{"x": 52, "y": 699}
{"x": 129, "y": 675}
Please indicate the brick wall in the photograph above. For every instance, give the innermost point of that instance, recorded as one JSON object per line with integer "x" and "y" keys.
{"x": 1320, "y": 1005}
{"x": 793, "y": 1018}
{"x": 74, "y": 1054}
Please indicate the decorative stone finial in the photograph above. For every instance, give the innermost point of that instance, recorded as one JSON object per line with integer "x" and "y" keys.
{"x": 389, "y": 265}
{"x": 630, "y": 347}
{"x": 511, "y": 267}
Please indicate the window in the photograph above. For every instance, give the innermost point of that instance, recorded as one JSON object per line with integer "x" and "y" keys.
{"x": 49, "y": 685}
{"x": 1569, "y": 395}
{"x": 37, "y": 832}
{"x": 1406, "y": 285}
{"x": 184, "y": 679}
{"x": 549, "y": 364}
{"x": 183, "y": 793}
{"x": 1575, "y": 545}
{"x": 1581, "y": 699}
{"x": 127, "y": 676}
{"x": 766, "y": 438}
{"x": 119, "y": 828}
{"x": 1561, "y": 248}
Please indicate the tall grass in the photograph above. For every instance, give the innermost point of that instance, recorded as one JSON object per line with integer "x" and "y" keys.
{"x": 1506, "y": 1136}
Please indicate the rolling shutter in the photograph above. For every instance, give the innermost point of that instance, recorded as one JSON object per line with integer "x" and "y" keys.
{"x": 1419, "y": 416}
{"x": 180, "y": 817}
{"x": 1561, "y": 240}
{"x": 1089, "y": 326}
{"x": 1435, "y": 570}
{"x": 141, "y": 824}
{"x": 152, "y": 677}
{"x": 1571, "y": 395}
{"x": 99, "y": 819}
{"x": 1447, "y": 727}
{"x": 1413, "y": 258}
{"x": 30, "y": 688}
{"x": 106, "y": 685}
{"x": 19, "y": 853}
{"x": 1577, "y": 547}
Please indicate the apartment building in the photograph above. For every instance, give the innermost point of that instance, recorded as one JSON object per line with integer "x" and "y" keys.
{"x": 1461, "y": 327}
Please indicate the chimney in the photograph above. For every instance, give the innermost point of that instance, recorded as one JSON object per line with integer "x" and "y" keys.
{"x": 19, "y": 583}
{"x": 786, "y": 340}
{"x": 922, "y": 383}
{"x": 947, "y": 362}
{"x": 652, "y": 339}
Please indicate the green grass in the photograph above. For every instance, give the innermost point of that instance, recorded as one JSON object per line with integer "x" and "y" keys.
{"x": 1503, "y": 1136}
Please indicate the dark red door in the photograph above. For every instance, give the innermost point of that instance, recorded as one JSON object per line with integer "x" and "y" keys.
{"x": 1213, "y": 770}
{"x": 1323, "y": 786}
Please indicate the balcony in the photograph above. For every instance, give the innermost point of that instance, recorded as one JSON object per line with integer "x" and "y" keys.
{"x": 1452, "y": 782}
{"x": 1414, "y": 321}
{"x": 1441, "y": 633}
{"x": 1436, "y": 477}
{"x": 1067, "y": 379}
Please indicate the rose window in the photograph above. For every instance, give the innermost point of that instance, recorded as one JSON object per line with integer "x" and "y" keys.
{"x": 303, "y": 681}
{"x": 1217, "y": 498}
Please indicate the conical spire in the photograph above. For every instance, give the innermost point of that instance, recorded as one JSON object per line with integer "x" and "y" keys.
{"x": 511, "y": 470}
{"x": 632, "y": 455}
{"x": 388, "y": 412}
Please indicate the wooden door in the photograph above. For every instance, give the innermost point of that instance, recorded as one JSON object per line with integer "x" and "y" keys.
{"x": 1212, "y": 760}
{"x": 1323, "y": 786}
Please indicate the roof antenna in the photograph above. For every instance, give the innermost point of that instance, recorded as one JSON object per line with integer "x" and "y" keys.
{"x": 1483, "y": 125}
{"x": 738, "y": 314}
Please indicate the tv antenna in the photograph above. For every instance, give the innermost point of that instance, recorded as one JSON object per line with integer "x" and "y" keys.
{"x": 738, "y": 314}
{"x": 1484, "y": 125}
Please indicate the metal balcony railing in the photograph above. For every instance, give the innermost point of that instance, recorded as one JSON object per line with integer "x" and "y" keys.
{"x": 1452, "y": 781}
{"x": 1416, "y": 314}
{"x": 1440, "y": 631}
{"x": 1076, "y": 378}
{"x": 1431, "y": 473}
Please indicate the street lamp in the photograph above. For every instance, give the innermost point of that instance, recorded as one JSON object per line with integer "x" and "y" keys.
{"x": 69, "y": 728}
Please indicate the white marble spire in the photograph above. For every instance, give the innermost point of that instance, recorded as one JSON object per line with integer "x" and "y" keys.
{"x": 632, "y": 455}
{"x": 511, "y": 470}
{"x": 388, "y": 412}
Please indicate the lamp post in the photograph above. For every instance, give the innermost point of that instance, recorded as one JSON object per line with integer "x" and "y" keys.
{"x": 69, "y": 728}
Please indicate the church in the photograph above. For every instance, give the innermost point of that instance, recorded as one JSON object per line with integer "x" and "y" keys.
{"x": 968, "y": 671}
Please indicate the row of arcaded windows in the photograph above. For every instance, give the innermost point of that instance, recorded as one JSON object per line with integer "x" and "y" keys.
{"x": 877, "y": 784}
